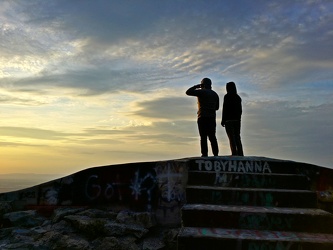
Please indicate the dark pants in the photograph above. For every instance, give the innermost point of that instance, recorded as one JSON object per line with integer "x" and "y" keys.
{"x": 207, "y": 128}
{"x": 233, "y": 131}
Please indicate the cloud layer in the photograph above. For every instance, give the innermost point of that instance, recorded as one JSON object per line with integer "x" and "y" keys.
{"x": 101, "y": 82}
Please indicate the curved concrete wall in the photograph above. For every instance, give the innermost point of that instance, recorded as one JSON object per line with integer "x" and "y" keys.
{"x": 157, "y": 187}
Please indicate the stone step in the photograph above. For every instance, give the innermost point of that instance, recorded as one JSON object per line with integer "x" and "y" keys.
{"x": 259, "y": 218}
{"x": 250, "y": 180}
{"x": 251, "y": 197}
{"x": 201, "y": 238}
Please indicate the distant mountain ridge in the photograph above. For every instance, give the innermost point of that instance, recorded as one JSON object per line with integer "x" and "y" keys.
{"x": 31, "y": 175}
{"x": 17, "y": 181}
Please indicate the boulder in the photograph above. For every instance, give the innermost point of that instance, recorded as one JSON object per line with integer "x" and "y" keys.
{"x": 5, "y": 207}
{"x": 90, "y": 227}
{"x": 98, "y": 213}
{"x": 119, "y": 229}
{"x": 85, "y": 229}
{"x": 145, "y": 219}
{"x": 119, "y": 243}
{"x": 60, "y": 213}
{"x": 27, "y": 218}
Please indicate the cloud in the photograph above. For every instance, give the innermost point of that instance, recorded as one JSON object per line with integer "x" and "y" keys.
{"x": 167, "y": 108}
{"x": 116, "y": 72}
{"x": 10, "y": 99}
{"x": 18, "y": 144}
{"x": 32, "y": 133}
{"x": 289, "y": 129}
{"x": 122, "y": 49}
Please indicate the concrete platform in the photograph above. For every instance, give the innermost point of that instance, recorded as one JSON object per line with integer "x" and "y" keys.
{"x": 250, "y": 180}
{"x": 259, "y": 218}
{"x": 204, "y": 238}
{"x": 251, "y": 196}
{"x": 246, "y": 203}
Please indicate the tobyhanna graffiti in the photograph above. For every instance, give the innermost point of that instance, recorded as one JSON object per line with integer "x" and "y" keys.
{"x": 234, "y": 166}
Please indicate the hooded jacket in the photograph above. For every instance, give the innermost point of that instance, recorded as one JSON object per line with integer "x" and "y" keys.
{"x": 208, "y": 101}
{"x": 232, "y": 104}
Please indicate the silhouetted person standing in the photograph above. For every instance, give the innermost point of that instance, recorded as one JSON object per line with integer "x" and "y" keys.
{"x": 208, "y": 103}
{"x": 231, "y": 118}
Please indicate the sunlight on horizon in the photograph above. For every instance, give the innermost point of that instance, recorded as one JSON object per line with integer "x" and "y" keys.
{"x": 73, "y": 96}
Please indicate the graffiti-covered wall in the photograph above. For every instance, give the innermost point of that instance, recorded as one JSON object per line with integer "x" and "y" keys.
{"x": 243, "y": 172}
{"x": 157, "y": 187}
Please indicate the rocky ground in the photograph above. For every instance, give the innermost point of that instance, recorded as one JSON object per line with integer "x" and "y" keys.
{"x": 84, "y": 229}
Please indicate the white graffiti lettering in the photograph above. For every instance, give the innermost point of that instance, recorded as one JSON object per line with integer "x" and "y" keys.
{"x": 94, "y": 189}
{"x": 144, "y": 184}
{"x": 170, "y": 182}
{"x": 109, "y": 191}
{"x": 90, "y": 186}
{"x": 234, "y": 166}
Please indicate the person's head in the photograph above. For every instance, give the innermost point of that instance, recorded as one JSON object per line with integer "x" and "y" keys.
{"x": 206, "y": 83}
{"x": 231, "y": 88}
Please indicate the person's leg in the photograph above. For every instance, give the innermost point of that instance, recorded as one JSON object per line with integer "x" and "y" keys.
{"x": 229, "y": 128}
{"x": 203, "y": 136}
{"x": 212, "y": 136}
{"x": 238, "y": 139}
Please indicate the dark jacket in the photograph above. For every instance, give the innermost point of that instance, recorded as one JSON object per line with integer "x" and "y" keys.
{"x": 232, "y": 105}
{"x": 208, "y": 101}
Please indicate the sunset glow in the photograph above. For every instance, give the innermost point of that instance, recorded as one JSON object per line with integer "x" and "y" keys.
{"x": 91, "y": 83}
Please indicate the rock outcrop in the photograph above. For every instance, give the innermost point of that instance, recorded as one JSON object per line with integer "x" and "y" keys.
{"x": 83, "y": 229}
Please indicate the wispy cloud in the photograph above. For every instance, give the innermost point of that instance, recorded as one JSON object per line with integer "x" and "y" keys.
{"x": 78, "y": 76}
{"x": 33, "y": 133}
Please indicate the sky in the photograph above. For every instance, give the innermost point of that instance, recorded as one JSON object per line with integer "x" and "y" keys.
{"x": 91, "y": 83}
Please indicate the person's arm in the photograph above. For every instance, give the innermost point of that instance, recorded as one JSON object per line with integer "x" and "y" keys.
{"x": 192, "y": 91}
{"x": 217, "y": 102}
{"x": 241, "y": 110}
{"x": 223, "y": 112}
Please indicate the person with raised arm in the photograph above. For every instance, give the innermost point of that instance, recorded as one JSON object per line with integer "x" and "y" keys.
{"x": 208, "y": 103}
